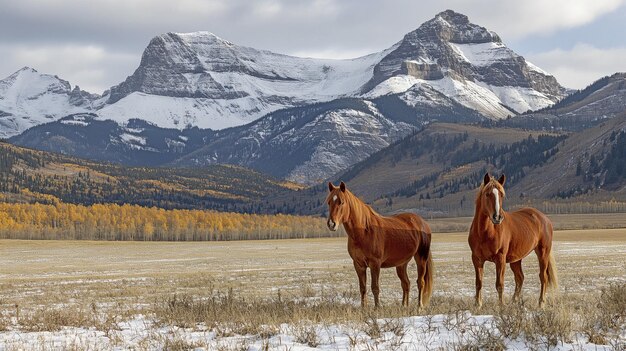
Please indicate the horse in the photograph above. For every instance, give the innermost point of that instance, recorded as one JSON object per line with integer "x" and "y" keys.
{"x": 377, "y": 242}
{"x": 507, "y": 237}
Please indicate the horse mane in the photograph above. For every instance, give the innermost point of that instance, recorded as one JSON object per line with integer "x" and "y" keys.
{"x": 361, "y": 212}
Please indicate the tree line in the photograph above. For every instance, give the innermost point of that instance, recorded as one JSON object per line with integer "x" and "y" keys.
{"x": 131, "y": 222}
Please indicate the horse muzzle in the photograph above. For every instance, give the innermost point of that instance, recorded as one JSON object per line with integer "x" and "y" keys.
{"x": 497, "y": 219}
{"x": 332, "y": 225}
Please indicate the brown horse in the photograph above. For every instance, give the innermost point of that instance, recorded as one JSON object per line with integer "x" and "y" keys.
{"x": 379, "y": 242}
{"x": 507, "y": 237}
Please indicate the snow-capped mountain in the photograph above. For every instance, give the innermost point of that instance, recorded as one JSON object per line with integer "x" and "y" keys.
{"x": 202, "y": 80}
{"x": 299, "y": 118}
{"x": 468, "y": 63}
{"x": 198, "y": 79}
{"x": 29, "y": 98}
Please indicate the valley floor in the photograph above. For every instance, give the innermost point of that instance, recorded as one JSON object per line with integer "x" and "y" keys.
{"x": 296, "y": 295}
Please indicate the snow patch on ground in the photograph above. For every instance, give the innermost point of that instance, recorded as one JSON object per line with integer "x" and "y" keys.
{"x": 410, "y": 333}
{"x": 70, "y": 122}
{"x": 133, "y": 139}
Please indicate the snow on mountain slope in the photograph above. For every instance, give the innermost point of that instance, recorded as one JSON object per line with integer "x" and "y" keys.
{"x": 483, "y": 54}
{"x": 520, "y": 99}
{"x": 210, "y": 82}
{"x": 469, "y": 94}
{"x": 304, "y": 144}
{"x": 276, "y": 74}
{"x": 29, "y": 98}
{"x": 181, "y": 112}
{"x": 355, "y": 136}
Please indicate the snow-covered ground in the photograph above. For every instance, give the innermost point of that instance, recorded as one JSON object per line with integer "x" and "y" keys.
{"x": 438, "y": 332}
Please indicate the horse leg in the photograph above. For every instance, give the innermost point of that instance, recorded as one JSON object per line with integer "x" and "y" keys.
{"x": 361, "y": 272}
{"x": 406, "y": 283}
{"x": 516, "y": 267}
{"x": 544, "y": 257}
{"x": 500, "y": 267}
{"x": 478, "y": 267}
{"x": 375, "y": 271}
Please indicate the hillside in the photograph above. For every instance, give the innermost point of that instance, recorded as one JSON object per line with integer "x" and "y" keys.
{"x": 28, "y": 176}
{"x": 589, "y": 165}
{"x": 580, "y": 167}
{"x": 436, "y": 171}
{"x": 601, "y": 100}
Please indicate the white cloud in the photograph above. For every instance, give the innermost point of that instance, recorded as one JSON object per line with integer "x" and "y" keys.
{"x": 581, "y": 65}
{"x": 519, "y": 19}
{"x": 91, "y": 67}
{"x": 316, "y": 28}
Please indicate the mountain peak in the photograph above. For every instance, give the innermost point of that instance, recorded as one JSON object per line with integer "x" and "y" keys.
{"x": 199, "y": 38}
{"x": 19, "y": 72}
{"x": 452, "y": 17}
{"x": 454, "y": 27}
{"x": 27, "y": 69}
{"x": 450, "y": 51}
{"x": 199, "y": 34}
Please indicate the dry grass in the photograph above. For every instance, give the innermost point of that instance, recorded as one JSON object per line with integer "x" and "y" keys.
{"x": 586, "y": 221}
{"x": 253, "y": 287}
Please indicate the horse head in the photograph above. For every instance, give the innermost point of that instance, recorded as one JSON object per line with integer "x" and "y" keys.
{"x": 491, "y": 198}
{"x": 338, "y": 210}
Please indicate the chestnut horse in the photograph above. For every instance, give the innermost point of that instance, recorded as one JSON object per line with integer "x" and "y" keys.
{"x": 507, "y": 237}
{"x": 377, "y": 242}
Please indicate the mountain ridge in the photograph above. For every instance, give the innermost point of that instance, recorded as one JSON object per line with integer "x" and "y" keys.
{"x": 246, "y": 102}
{"x": 199, "y": 79}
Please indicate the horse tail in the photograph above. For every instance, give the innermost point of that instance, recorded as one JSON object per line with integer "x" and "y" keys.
{"x": 425, "y": 252}
{"x": 553, "y": 280}
{"x": 428, "y": 278}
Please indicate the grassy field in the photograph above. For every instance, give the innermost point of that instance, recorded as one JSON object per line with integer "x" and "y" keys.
{"x": 559, "y": 221}
{"x": 253, "y": 287}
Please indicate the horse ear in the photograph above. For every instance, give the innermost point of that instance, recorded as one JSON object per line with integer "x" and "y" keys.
{"x": 502, "y": 179}
{"x": 331, "y": 187}
{"x": 487, "y": 178}
{"x": 342, "y": 186}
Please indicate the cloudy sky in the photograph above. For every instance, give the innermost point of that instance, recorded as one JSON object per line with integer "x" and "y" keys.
{"x": 96, "y": 44}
